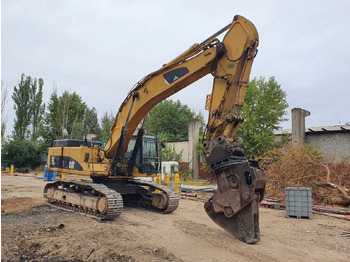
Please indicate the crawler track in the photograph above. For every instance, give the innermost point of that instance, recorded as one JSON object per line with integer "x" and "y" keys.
{"x": 83, "y": 197}
{"x": 114, "y": 201}
{"x": 172, "y": 197}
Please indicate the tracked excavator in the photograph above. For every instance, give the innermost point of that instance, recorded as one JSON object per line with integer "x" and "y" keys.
{"x": 113, "y": 170}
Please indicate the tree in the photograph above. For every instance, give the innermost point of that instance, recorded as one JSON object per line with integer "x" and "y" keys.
{"x": 64, "y": 113}
{"x": 37, "y": 106}
{"x": 171, "y": 119}
{"x": 28, "y": 98}
{"x": 106, "y": 124}
{"x": 72, "y": 110}
{"x": 90, "y": 122}
{"x": 263, "y": 111}
{"x": 3, "y": 118}
{"x": 50, "y": 130}
{"x": 22, "y": 106}
{"x": 169, "y": 154}
{"x": 20, "y": 153}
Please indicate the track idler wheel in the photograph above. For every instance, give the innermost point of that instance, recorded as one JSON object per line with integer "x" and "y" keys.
{"x": 160, "y": 201}
{"x": 102, "y": 205}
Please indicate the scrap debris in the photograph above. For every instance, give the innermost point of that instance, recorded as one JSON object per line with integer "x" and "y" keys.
{"x": 197, "y": 196}
{"x": 336, "y": 212}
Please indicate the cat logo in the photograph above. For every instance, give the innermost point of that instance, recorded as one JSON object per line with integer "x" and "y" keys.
{"x": 71, "y": 164}
{"x": 175, "y": 74}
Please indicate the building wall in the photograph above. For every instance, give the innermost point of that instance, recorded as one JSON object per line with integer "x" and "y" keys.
{"x": 181, "y": 147}
{"x": 335, "y": 146}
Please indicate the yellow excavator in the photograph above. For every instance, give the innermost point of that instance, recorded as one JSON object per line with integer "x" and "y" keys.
{"x": 115, "y": 168}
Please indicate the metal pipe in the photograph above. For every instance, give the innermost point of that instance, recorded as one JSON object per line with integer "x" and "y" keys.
{"x": 216, "y": 34}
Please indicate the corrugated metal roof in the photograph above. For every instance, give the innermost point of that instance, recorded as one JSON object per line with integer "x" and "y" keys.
{"x": 318, "y": 129}
{"x": 282, "y": 131}
{"x": 345, "y": 128}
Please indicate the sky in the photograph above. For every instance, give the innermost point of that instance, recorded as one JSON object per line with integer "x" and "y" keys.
{"x": 101, "y": 48}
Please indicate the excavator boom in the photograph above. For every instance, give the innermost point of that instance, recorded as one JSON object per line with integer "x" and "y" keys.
{"x": 228, "y": 61}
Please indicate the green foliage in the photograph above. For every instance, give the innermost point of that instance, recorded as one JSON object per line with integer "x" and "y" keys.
{"x": 22, "y": 106}
{"x": 106, "y": 125}
{"x": 185, "y": 173}
{"x": 3, "y": 129}
{"x": 284, "y": 140}
{"x": 171, "y": 119}
{"x": 3, "y": 117}
{"x": 42, "y": 146}
{"x": 51, "y": 130}
{"x": 20, "y": 153}
{"x": 292, "y": 154}
{"x": 196, "y": 182}
{"x": 64, "y": 112}
{"x": 72, "y": 108}
{"x": 169, "y": 154}
{"x": 37, "y": 108}
{"x": 263, "y": 111}
{"x": 90, "y": 123}
{"x": 27, "y": 98}
{"x": 206, "y": 168}
{"x": 314, "y": 154}
{"x": 40, "y": 169}
{"x": 200, "y": 152}
{"x": 29, "y": 109}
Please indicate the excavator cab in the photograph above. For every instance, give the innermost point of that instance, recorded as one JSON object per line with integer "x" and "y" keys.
{"x": 149, "y": 160}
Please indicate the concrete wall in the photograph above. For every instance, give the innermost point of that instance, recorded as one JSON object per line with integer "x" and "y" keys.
{"x": 193, "y": 138}
{"x": 333, "y": 142}
{"x": 334, "y": 146}
{"x": 298, "y": 126}
{"x": 188, "y": 148}
{"x": 181, "y": 147}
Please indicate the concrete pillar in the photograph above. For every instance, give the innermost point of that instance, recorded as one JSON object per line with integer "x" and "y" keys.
{"x": 193, "y": 136}
{"x": 298, "y": 126}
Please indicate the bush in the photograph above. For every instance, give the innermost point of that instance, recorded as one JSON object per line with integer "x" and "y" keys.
{"x": 20, "y": 154}
{"x": 40, "y": 169}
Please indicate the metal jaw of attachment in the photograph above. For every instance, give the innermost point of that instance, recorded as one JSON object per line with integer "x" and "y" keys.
{"x": 241, "y": 186}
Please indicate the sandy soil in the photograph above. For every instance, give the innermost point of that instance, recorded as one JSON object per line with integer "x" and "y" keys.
{"x": 31, "y": 231}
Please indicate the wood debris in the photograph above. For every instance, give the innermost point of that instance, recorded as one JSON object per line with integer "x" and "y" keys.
{"x": 300, "y": 166}
{"x": 336, "y": 212}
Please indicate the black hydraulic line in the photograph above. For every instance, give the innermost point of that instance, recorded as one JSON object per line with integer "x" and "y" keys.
{"x": 122, "y": 135}
{"x": 137, "y": 146}
{"x": 220, "y": 51}
{"x": 217, "y": 33}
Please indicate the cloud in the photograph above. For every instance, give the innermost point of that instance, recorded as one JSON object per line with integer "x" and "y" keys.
{"x": 100, "y": 49}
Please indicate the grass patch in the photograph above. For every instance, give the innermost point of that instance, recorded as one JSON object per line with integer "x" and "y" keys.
{"x": 40, "y": 169}
{"x": 197, "y": 182}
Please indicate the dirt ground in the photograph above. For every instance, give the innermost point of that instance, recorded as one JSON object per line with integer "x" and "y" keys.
{"x": 32, "y": 231}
